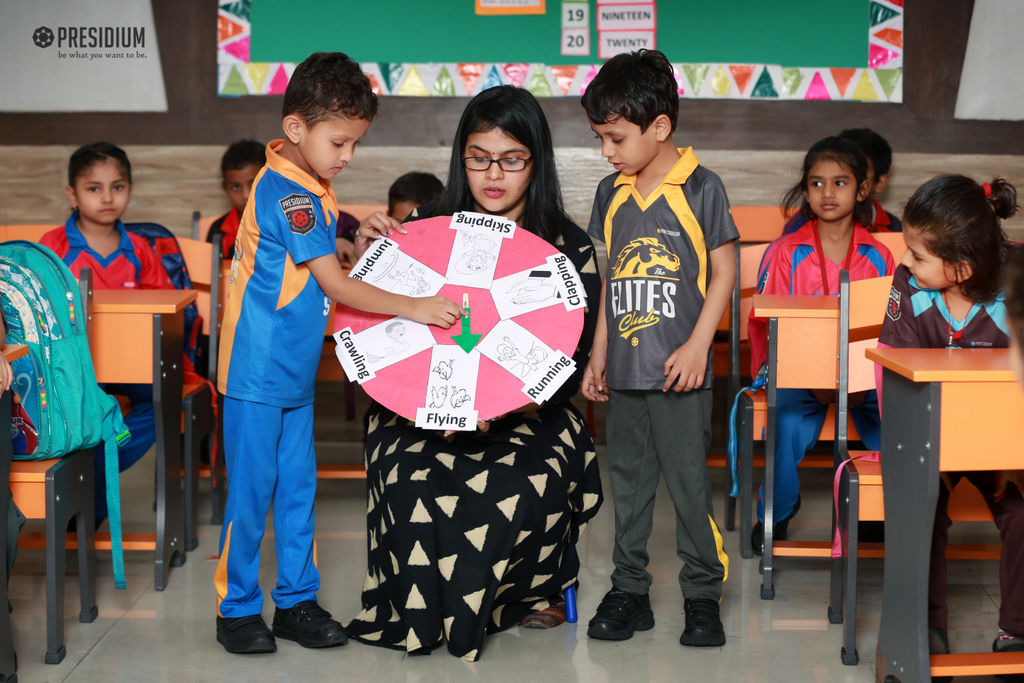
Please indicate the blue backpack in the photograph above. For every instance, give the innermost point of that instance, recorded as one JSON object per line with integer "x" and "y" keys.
{"x": 165, "y": 246}
{"x": 56, "y": 380}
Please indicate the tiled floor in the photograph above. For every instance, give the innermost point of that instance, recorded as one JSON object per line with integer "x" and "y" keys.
{"x": 142, "y": 635}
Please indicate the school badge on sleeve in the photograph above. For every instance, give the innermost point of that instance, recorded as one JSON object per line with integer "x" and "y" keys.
{"x": 892, "y": 309}
{"x": 298, "y": 209}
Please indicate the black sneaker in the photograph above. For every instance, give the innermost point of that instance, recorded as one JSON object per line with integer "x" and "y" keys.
{"x": 780, "y": 532}
{"x": 309, "y": 625}
{"x": 938, "y": 644}
{"x": 245, "y": 635}
{"x": 703, "y": 625}
{"x": 620, "y": 614}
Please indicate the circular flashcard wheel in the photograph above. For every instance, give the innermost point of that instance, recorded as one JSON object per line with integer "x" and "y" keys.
{"x": 526, "y": 305}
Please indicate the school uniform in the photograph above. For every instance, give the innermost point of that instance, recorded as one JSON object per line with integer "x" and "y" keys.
{"x": 800, "y": 267}
{"x": 659, "y": 271}
{"x": 272, "y": 337}
{"x": 132, "y": 266}
{"x": 919, "y": 318}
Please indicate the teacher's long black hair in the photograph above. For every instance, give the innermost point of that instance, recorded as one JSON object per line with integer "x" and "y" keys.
{"x": 516, "y": 112}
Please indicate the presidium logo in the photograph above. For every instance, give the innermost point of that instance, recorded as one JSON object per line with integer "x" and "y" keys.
{"x": 42, "y": 37}
{"x": 93, "y": 37}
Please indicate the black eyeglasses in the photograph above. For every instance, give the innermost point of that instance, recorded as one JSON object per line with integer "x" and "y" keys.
{"x": 509, "y": 165}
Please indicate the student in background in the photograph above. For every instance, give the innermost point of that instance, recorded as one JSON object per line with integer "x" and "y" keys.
{"x": 947, "y": 294}
{"x": 832, "y": 198}
{"x": 670, "y": 236}
{"x": 99, "y": 188}
{"x": 241, "y": 163}
{"x": 411, "y": 191}
{"x": 879, "y": 156}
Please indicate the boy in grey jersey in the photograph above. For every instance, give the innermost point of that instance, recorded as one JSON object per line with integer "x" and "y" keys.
{"x": 669, "y": 232}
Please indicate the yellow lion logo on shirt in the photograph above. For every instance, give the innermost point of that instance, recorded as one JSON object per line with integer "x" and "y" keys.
{"x": 645, "y": 257}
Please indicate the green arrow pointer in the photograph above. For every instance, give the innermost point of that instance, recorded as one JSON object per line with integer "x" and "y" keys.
{"x": 466, "y": 339}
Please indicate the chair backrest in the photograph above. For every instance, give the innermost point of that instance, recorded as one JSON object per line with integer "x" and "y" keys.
{"x": 204, "y": 265}
{"x": 29, "y": 233}
{"x": 866, "y": 314}
{"x": 202, "y": 226}
{"x": 758, "y": 223}
{"x": 894, "y": 243}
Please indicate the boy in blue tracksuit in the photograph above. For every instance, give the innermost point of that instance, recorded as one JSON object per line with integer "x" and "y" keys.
{"x": 284, "y": 275}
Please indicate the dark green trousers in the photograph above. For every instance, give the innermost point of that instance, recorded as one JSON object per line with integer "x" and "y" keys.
{"x": 651, "y": 433}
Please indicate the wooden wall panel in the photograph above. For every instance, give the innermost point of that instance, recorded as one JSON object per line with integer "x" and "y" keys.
{"x": 172, "y": 181}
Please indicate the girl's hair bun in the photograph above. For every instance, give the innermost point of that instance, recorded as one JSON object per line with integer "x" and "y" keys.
{"x": 1003, "y": 198}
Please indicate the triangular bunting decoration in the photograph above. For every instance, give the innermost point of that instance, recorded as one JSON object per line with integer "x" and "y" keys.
{"x": 564, "y": 76}
{"x": 227, "y": 29}
{"x": 720, "y": 82}
{"x": 763, "y": 88}
{"x": 742, "y": 74}
{"x": 516, "y": 73}
{"x": 239, "y": 48}
{"x": 375, "y": 87}
{"x": 279, "y": 83}
{"x": 539, "y": 85}
{"x": 695, "y": 73}
{"x": 470, "y": 74}
{"x": 241, "y": 8}
{"x": 842, "y": 77}
{"x": 879, "y": 56}
{"x": 257, "y": 73}
{"x": 891, "y": 36}
{"x": 817, "y": 89}
{"x": 791, "y": 78}
{"x": 235, "y": 85}
{"x": 493, "y": 79}
{"x": 680, "y": 90}
{"x": 880, "y": 13}
{"x": 888, "y": 78}
{"x": 413, "y": 85}
{"x": 591, "y": 75}
{"x": 391, "y": 72}
{"x": 444, "y": 86}
{"x": 865, "y": 91}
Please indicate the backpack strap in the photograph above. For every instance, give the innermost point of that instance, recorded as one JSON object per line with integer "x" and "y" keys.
{"x": 111, "y": 467}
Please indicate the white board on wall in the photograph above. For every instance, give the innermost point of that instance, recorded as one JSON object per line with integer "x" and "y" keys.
{"x": 79, "y": 55}
{"x": 992, "y": 80}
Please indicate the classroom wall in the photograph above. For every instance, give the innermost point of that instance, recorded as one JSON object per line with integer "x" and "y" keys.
{"x": 172, "y": 181}
{"x": 936, "y": 35}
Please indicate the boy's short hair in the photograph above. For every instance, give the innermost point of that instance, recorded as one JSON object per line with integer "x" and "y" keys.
{"x": 241, "y": 154}
{"x": 326, "y": 85}
{"x": 874, "y": 147}
{"x": 635, "y": 86}
{"x": 415, "y": 187}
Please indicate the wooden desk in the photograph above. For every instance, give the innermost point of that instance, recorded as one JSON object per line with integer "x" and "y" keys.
{"x": 942, "y": 409}
{"x": 124, "y": 325}
{"x": 7, "y": 658}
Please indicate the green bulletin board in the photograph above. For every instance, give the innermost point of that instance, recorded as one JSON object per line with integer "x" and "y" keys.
{"x": 782, "y": 49}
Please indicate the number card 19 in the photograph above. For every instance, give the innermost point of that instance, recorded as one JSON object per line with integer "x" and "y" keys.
{"x": 576, "y": 28}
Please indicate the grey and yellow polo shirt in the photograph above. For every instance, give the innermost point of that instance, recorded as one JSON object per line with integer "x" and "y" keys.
{"x": 658, "y": 265}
